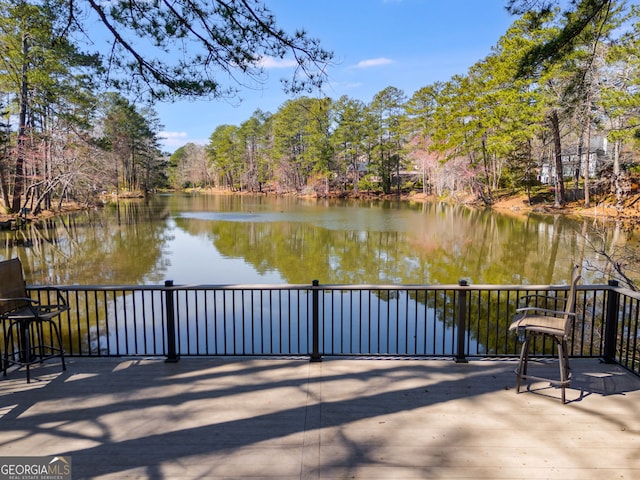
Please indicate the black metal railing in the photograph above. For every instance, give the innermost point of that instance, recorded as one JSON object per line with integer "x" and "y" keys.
{"x": 316, "y": 320}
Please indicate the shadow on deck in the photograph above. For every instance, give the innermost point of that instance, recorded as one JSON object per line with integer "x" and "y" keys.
{"x": 341, "y": 418}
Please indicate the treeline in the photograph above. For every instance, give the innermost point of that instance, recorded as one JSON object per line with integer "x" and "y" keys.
{"x": 70, "y": 129}
{"x": 64, "y": 138}
{"x": 78, "y": 81}
{"x": 493, "y": 127}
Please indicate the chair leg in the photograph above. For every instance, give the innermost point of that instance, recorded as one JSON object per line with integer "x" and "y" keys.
{"x": 24, "y": 331}
{"x": 562, "y": 370}
{"x": 37, "y": 344}
{"x": 563, "y": 360}
{"x": 8, "y": 338}
{"x": 26, "y": 350}
{"x": 5, "y": 354}
{"x": 56, "y": 330}
{"x": 522, "y": 364}
{"x": 525, "y": 366}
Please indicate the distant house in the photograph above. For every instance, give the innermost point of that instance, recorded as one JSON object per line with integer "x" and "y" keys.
{"x": 362, "y": 167}
{"x": 571, "y": 163}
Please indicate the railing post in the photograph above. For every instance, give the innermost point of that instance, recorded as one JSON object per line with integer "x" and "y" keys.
{"x": 462, "y": 321}
{"x": 315, "y": 353}
{"x": 611, "y": 323}
{"x": 172, "y": 355}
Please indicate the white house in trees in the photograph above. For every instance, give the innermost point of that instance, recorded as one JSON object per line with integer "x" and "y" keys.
{"x": 573, "y": 164}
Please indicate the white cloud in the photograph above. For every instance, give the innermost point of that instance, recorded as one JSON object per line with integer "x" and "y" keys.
{"x": 173, "y": 139}
{"x": 272, "y": 62}
{"x": 373, "y": 62}
{"x": 173, "y": 135}
{"x": 337, "y": 88}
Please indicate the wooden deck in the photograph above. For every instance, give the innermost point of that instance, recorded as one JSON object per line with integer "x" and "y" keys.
{"x": 338, "y": 419}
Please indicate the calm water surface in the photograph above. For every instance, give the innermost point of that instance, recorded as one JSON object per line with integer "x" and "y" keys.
{"x": 209, "y": 239}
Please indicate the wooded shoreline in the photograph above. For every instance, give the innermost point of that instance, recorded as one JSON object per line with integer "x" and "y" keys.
{"x": 512, "y": 204}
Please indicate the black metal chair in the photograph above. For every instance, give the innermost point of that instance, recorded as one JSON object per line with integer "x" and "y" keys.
{"x": 537, "y": 320}
{"x": 26, "y": 318}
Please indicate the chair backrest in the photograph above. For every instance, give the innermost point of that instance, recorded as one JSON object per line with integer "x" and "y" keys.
{"x": 12, "y": 286}
{"x": 570, "y": 307}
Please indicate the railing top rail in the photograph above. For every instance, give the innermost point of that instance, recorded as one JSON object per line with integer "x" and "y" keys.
{"x": 330, "y": 286}
{"x": 89, "y": 288}
{"x": 625, "y": 291}
{"x": 174, "y": 287}
{"x": 455, "y": 286}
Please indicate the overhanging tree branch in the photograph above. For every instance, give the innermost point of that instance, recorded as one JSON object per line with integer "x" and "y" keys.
{"x": 584, "y": 12}
{"x": 181, "y": 48}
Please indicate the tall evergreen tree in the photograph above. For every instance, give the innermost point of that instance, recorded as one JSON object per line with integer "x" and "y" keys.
{"x": 225, "y": 154}
{"x": 301, "y": 142}
{"x": 129, "y": 135}
{"x": 46, "y": 77}
{"x": 419, "y": 127}
{"x": 348, "y": 139}
{"x": 387, "y": 110}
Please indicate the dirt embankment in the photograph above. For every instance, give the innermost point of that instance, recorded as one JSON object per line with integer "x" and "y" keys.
{"x": 6, "y": 218}
{"x": 607, "y": 208}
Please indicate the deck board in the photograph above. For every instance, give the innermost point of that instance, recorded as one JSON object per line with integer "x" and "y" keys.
{"x": 285, "y": 419}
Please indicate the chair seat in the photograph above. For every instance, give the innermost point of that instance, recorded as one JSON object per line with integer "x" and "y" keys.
{"x": 27, "y": 313}
{"x": 540, "y": 324}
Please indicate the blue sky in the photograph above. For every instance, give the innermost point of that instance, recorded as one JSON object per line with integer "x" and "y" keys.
{"x": 407, "y": 44}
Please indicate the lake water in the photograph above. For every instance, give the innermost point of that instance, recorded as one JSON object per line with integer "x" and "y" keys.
{"x": 226, "y": 239}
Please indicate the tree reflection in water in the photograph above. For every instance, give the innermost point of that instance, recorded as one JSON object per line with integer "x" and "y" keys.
{"x": 221, "y": 239}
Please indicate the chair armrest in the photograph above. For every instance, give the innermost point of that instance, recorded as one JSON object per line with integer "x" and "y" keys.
{"x": 545, "y": 311}
{"x": 546, "y": 297}
{"x": 19, "y": 299}
{"x": 61, "y": 300}
{"x": 33, "y": 303}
